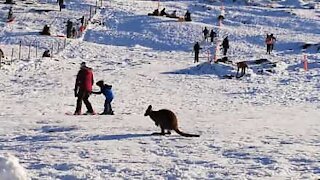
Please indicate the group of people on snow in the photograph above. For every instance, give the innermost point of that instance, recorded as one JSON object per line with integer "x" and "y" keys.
{"x": 270, "y": 40}
{"x": 187, "y": 16}
{"x": 206, "y": 34}
{"x": 83, "y": 90}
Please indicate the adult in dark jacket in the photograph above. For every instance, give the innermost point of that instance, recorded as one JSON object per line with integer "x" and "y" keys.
{"x": 83, "y": 88}
{"x": 60, "y": 4}
{"x": 105, "y": 89}
{"x": 196, "y": 49}
{"x": 212, "y": 35}
{"x": 69, "y": 28}
{"x": 205, "y": 33}
{"x": 225, "y": 45}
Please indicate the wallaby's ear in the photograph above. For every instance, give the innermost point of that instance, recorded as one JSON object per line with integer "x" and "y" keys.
{"x": 149, "y": 107}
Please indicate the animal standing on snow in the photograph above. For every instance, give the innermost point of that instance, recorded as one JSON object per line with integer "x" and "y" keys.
{"x": 241, "y": 65}
{"x": 167, "y": 120}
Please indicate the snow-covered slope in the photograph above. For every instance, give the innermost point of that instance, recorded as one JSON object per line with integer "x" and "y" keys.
{"x": 262, "y": 126}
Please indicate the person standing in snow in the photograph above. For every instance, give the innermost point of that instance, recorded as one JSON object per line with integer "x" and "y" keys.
{"x": 105, "y": 89}
{"x": 196, "y": 49}
{"x": 273, "y": 41}
{"x": 212, "y": 35}
{"x": 225, "y": 45}
{"x": 60, "y": 4}
{"x": 83, "y": 88}
{"x": 205, "y": 33}
{"x": 269, "y": 43}
{"x": 10, "y": 14}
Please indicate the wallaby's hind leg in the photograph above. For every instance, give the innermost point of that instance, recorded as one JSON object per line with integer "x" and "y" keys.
{"x": 161, "y": 134}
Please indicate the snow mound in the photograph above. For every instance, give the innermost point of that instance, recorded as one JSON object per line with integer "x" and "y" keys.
{"x": 10, "y": 169}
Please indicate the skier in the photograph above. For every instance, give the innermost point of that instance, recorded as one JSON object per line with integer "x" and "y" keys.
{"x": 105, "y": 89}
{"x": 83, "y": 88}
{"x": 205, "y": 33}
{"x": 225, "y": 45}
{"x": 196, "y": 49}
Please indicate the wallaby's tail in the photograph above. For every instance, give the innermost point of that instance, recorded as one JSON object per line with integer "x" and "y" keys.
{"x": 186, "y": 134}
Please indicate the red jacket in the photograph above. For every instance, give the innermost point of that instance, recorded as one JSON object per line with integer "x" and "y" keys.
{"x": 84, "y": 79}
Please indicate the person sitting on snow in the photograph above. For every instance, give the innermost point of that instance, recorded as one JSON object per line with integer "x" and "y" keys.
{"x": 187, "y": 16}
{"x": 163, "y": 13}
{"x": 154, "y": 13}
{"x": 45, "y": 30}
{"x": 105, "y": 89}
{"x": 46, "y": 53}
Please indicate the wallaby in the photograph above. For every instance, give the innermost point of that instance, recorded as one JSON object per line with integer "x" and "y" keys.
{"x": 241, "y": 65}
{"x": 167, "y": 120}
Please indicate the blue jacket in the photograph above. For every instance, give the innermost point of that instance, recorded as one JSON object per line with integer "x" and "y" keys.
{"x": 107, "y": 92}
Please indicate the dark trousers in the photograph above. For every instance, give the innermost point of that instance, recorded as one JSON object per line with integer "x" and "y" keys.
{"x": 83, "y": 95}
{"x": 107, "y": 107}
{"x": 269, "y": 46}
{"x": 225, "y": 50}
{"x": 196, "y": 56}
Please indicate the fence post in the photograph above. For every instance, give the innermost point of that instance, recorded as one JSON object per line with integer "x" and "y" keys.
{"x": 90, "y": 13}
{"x": 305, "y": 62}
{"x": 58, "y": 47}
{"x": 52, "y": 50}
{"x": 65, "y": 42}
{"x": 11, "y": 56}
{"x": 36, "y": 49}
{"x": 20, "y": 51}
{"x": 29, "y": 51}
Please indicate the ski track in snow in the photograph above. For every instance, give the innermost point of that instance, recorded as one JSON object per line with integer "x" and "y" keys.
{"x": 257, "y": 127}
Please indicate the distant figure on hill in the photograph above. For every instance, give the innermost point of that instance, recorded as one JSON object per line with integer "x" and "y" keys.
{"x": 212, "y": 35}
{"x": 205, "y": 33}
{"x": 10, "y": 13}
{"x": 45, "y": 30}
{"x": 69, "y": 28}
{"x": 273, "y": 39}
{"x": 268, "y": 42}
{"x": 83, "y": 89}
{"x": 60, "y": 4}
{"x": 173, "y": 14}
{"x": 187, "y": 16}
{"x": 46, "y": 53}
{"x": 154, "y": 13}
{"x": 196, "y": 49}
{"x": 225, "y": 45}
{"x": 73, "y": 32}
{"x": 163, "y": 12}
{"x": 1, "y": 54}
{"x": 105, "y": 89}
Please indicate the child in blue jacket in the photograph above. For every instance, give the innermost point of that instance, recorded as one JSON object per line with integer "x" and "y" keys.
{"x": 105, "y": 89}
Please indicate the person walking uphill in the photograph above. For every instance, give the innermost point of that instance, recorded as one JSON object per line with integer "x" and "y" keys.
{"x": 83, "y": 88}
{"x": 196, "y": 49}
{"x": 105, "y": 89}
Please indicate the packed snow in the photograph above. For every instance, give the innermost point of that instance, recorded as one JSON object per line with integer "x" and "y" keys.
{"x": 264, "y": 125}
